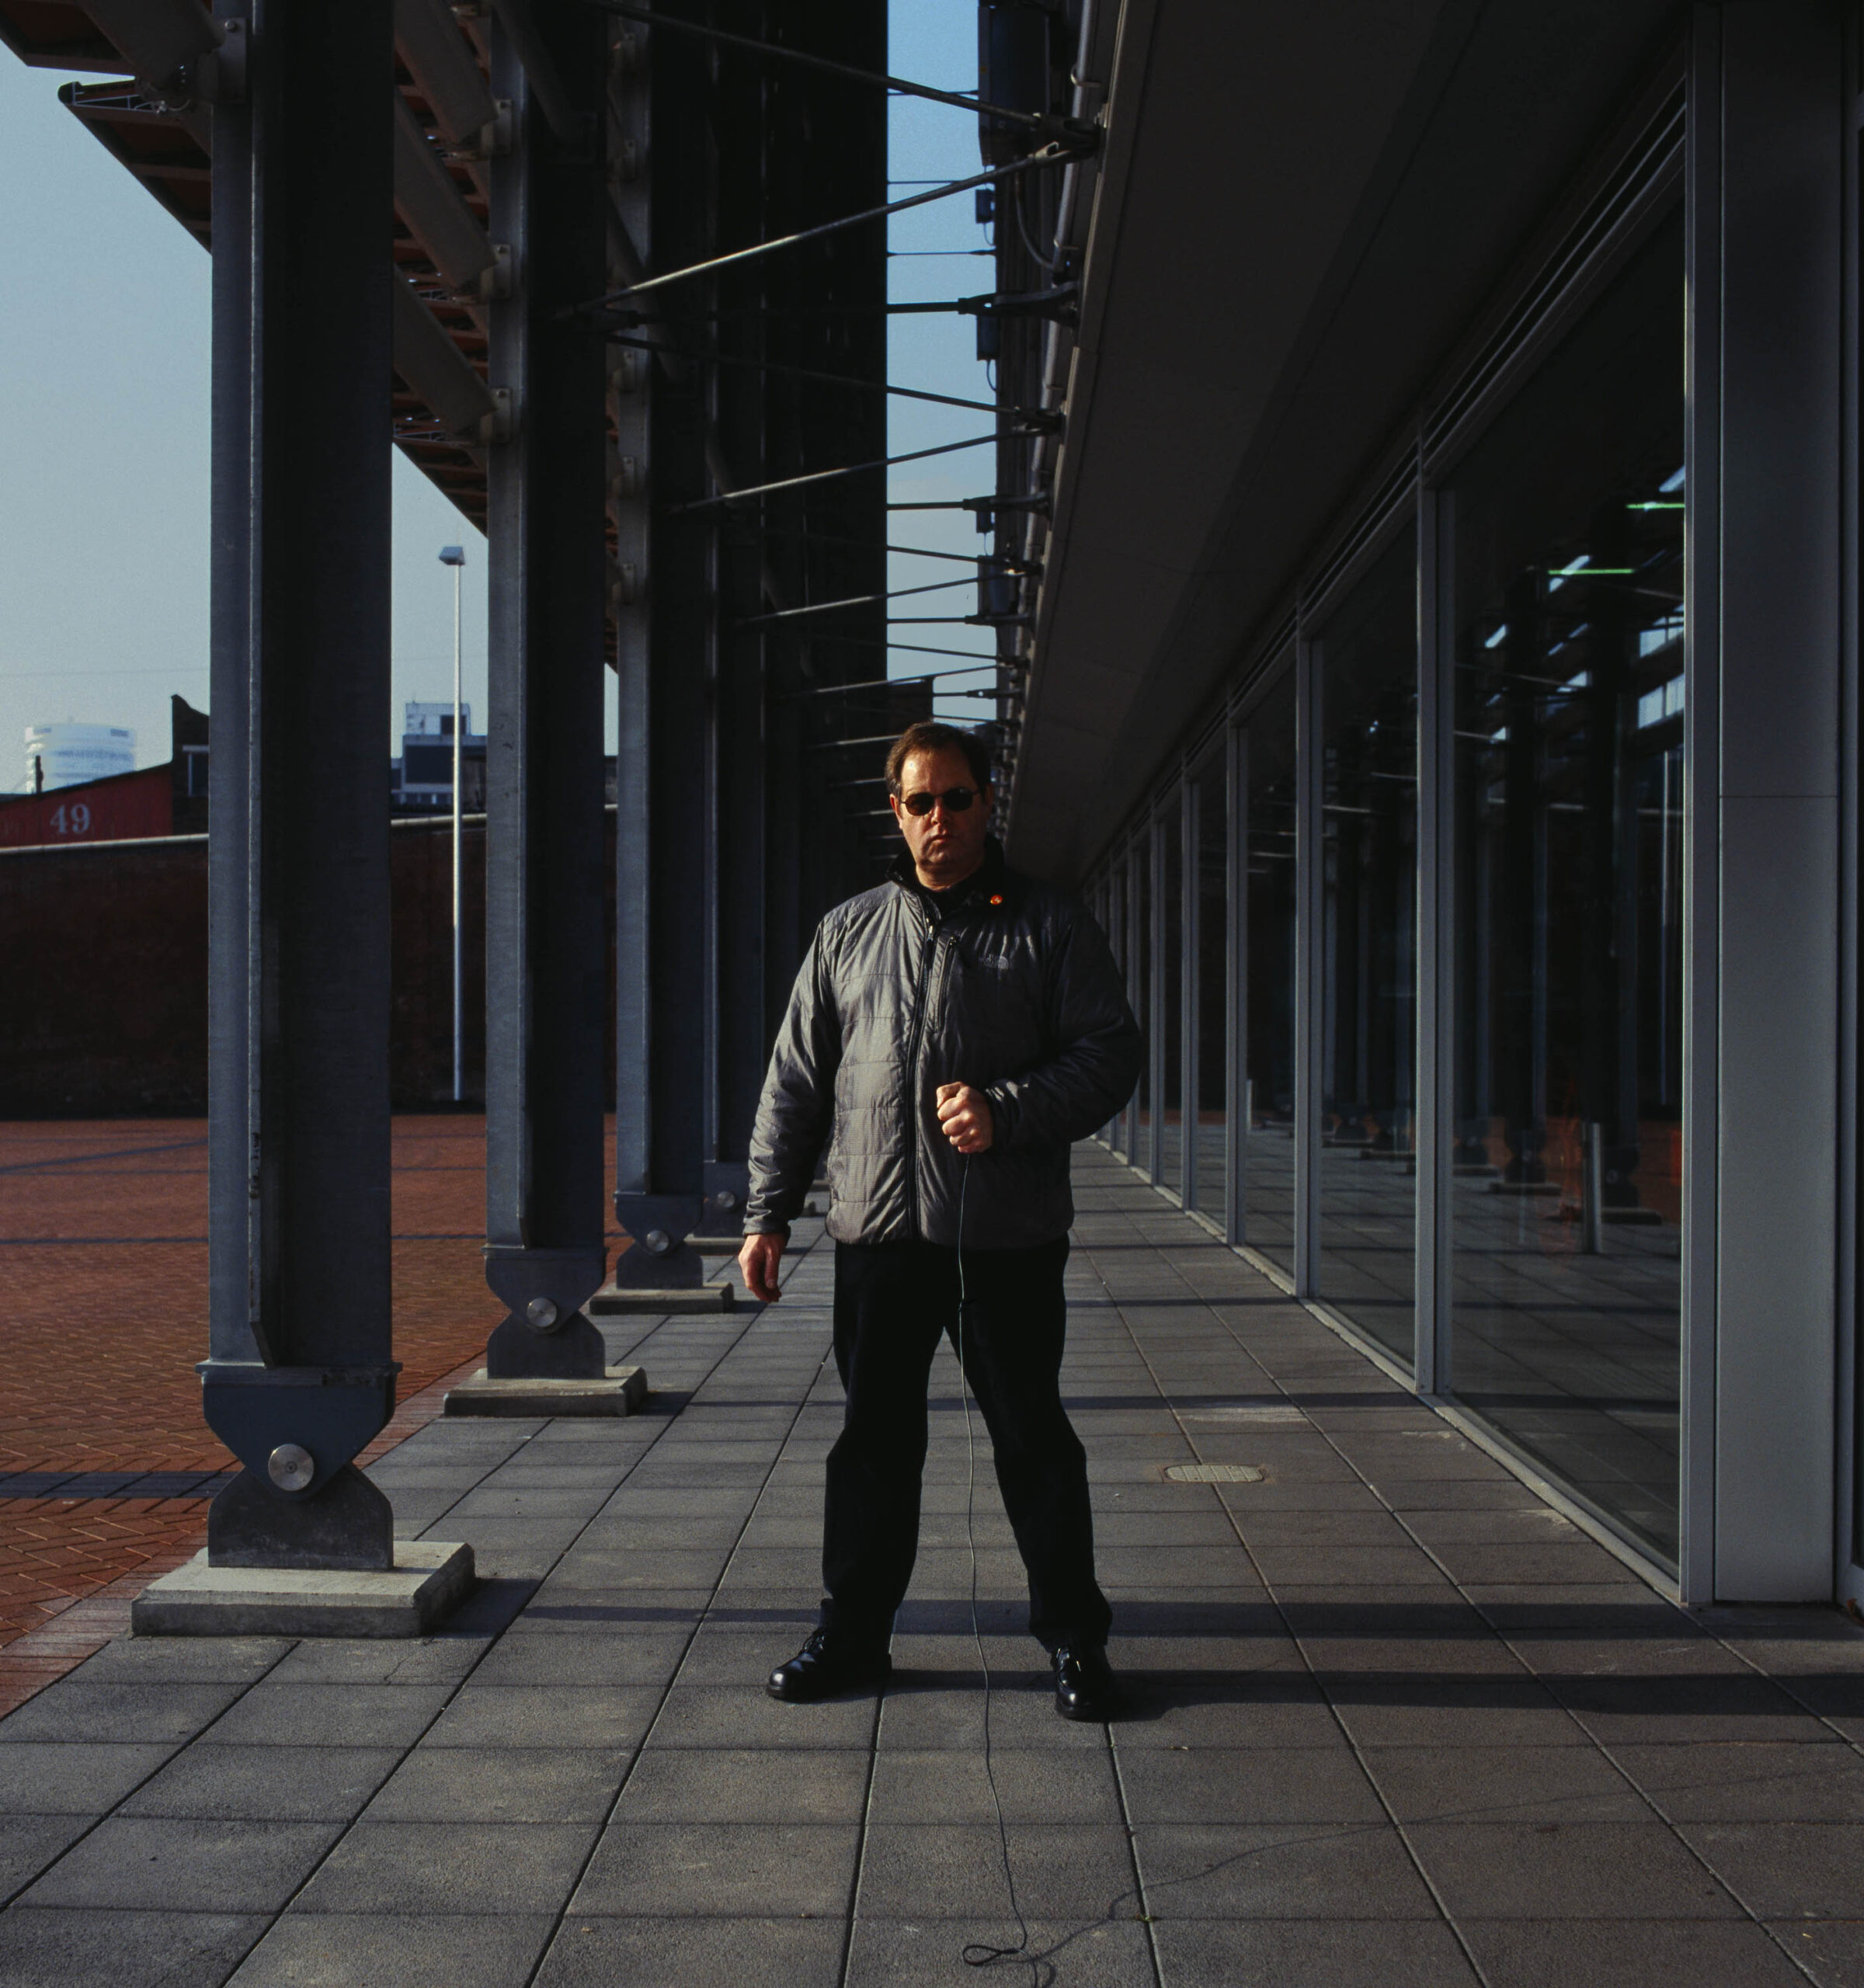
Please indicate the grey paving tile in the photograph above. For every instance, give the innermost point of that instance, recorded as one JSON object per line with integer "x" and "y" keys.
{"x": 266, "y": 1783}
{"x": 1247, "y": 1785}
{"x": 681, "y": 1870}
{"x": 1618, "y": 1953}
{"x": 1566, "y": 1871}
{"x": 502, "y": 1784}
{"x": 555, "y": 1501}
{"x": 1313, "y": 1566}
{"x": 1527, "y": 1523}
{"x": 1034, "y": 1784}
{"x": 1830, "y": 1951}
{"x": 1435, "y": 1710}
{"x": 545, "y": 1716}
{"x": 1756, "y": 1782}
{"x": 744, "y": 1716}
{"x": 929, "y": 1712}
{"x": 624, "y": 1568}
{"x": 78, "y": 1777}
{"x": 624, "y": 1655}
{"x": 1273, "y": 1708}
{"x": 1289, "y": 1871}
{"x": 1786, "y": 1870}
{"x": 1556, "y": 1562}
{"x": 29, "y": 1843}
{"x": 75, "y": 1709}
{"x": 1353, "y": 1527}
{"x": 1279, "y": 1494}
{"x": 42, "y": 1947}
{"x": 1529, "y": 1785}
{"x": 892, "y": 1953}
{"x": 1312, "y": 1953}
{"x": 183, "y": 1659}
{"x": 151, "y": 1864}
{"x": 398, "y": 1950}
{"x": 950, "y": 1872}
{"x": 725, "y": 1784}
{"x": 314, "y": 1715}
{"x": 468, "y": 1868}
{"x": 739, "y": 1656}
{"x": 1345, "y": 1657}
{"x": 1675, "y": 1709}
{"x": 695, "y": 1953}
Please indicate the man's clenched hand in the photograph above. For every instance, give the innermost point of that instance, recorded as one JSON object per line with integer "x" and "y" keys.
{"x": 758, "y": 1260}
{"x": 964, "y": 1116}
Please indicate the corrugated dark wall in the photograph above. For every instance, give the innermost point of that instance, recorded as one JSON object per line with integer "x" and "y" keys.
{"x": 104, "y": 1001}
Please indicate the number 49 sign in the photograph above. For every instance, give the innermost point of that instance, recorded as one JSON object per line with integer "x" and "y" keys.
{"x": 74, "y": 820}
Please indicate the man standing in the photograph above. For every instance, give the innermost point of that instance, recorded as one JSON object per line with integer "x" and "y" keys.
{"x": 956, "y": 1029}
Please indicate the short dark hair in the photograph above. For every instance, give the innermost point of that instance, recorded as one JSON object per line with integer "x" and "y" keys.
{"x": 928, "y": 735}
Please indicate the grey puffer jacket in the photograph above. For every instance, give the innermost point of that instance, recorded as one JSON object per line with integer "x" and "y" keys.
{"x": 1014, "y": 992}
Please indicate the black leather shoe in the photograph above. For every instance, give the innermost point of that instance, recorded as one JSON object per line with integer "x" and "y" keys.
{"x": 827, "y": 1665}
{"x": 1084, "y": 1686}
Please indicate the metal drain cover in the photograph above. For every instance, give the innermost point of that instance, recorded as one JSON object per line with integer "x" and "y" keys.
{"x": 1214, "y": 1473}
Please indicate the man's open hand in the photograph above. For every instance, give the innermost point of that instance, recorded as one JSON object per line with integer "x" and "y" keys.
{"x": 964, "y": 1116}
{"x": 758, "y": 1260}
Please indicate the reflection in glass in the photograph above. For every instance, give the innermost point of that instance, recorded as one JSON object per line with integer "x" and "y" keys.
{"x": 1267, "y": 1152}
{"x": 1367, "y": 658}
{"x": 1110, "y": 909}
{"x": 1212, "y": 819}
{"x": 1138, "y": 886}
{"x": 1170, "y": 831}
{"x": 1567, "y": 1158}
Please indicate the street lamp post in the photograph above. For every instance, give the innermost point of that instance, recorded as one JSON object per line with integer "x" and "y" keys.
{"x": 455, "y": 557}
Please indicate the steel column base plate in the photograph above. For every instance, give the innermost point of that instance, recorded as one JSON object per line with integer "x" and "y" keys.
{"x": 620, "y": 1391}
{"x": 430, "y": 1580}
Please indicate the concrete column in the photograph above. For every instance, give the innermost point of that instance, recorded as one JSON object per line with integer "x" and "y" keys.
{"x": 1766, "y": 401}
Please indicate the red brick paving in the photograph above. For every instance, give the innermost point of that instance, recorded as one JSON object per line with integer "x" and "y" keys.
{"x": 103, "y": 1271}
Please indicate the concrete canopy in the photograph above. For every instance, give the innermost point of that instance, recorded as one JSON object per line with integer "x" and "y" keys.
{"x": 1300, "y": 211}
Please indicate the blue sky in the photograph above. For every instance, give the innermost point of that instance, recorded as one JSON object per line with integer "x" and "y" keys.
{"x": 103, "y": 422}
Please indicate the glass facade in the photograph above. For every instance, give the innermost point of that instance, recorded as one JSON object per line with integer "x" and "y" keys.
{"x": 1567, "y": 641}
{"x": 1119, "y": 938}
{"x": 1366, "y": 660}
{"x": 1139, "y": 900}
{"x": 1270, "y": 818}
{"x": 1544, "y": 721}
{"x": 1171, "y": 832}
{"x": 1210, "y": 1064}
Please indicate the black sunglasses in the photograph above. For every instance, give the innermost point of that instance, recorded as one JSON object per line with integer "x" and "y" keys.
{"x": 956, "y": 800}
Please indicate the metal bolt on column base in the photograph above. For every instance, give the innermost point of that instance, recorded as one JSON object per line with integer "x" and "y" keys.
{"x": 542, "y": 1313}
{"x": 291, "y": 1467}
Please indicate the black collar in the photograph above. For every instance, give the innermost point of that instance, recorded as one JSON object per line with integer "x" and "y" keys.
{"x": 986, "y": 882}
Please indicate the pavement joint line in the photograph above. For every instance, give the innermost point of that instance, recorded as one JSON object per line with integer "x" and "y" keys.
{"x": 1132, "y": 1856}
{"x": 1300, "y": 1647}
{"x": 1591, "y": 1739}
{"x": 33, "y": 1878}
{"x": 750, "y": 1319}
{"x": 487, "y": 1645}
{"x": 97, "y": 1822}
{"x": 195, "y": 1738}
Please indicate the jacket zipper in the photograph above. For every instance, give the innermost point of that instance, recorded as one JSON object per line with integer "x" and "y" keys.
{"x": 912, "y": 1042}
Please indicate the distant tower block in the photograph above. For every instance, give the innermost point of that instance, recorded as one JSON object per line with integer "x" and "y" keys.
{"x": 69, "y": 753}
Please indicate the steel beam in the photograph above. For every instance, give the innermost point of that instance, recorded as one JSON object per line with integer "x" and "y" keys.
{"x": 665, "y": 772}
{"x": 545, "y": 898}
{"x": 301, "y": 1374}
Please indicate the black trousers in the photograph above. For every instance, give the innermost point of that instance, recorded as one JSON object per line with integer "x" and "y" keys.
{"x": 890, "y": 1305}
